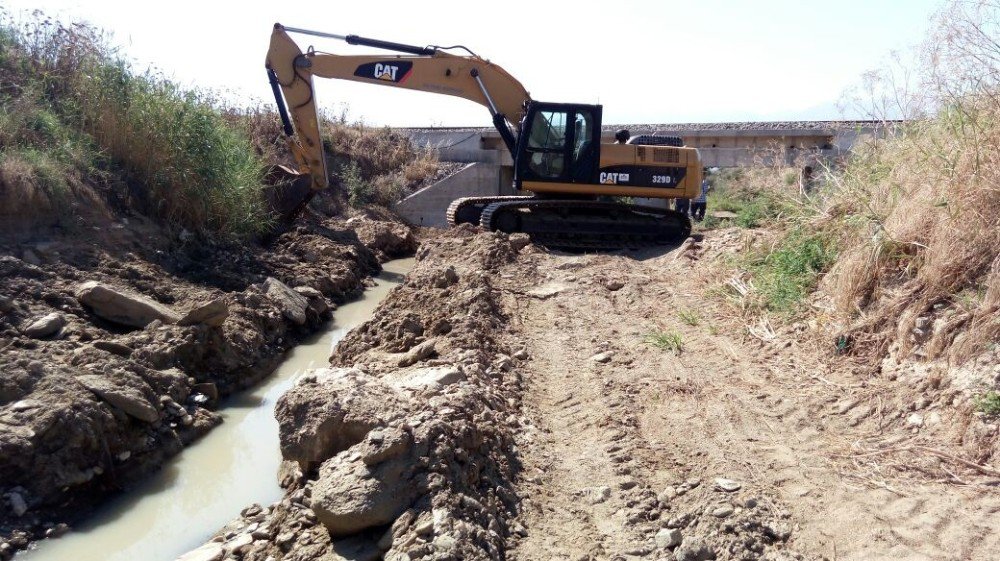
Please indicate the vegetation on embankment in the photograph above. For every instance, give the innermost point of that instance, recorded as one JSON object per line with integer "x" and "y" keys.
{"x": 748, "y": 197}
{"x": 903, "y": 237}
{"x": 74, "y": 115}
{"x": 79, "y": 125}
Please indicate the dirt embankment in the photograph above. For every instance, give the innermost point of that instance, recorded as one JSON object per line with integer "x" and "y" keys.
{"x": 403, "y": 447}
{"x": 117, "y": 340}
{"x": 511, "y": 403}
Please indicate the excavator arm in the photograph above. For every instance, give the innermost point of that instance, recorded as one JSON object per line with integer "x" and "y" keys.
{"x": 428, "y": 69}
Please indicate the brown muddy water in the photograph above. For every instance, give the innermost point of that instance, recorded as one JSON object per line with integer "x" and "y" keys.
{"x": 206, "y": 485}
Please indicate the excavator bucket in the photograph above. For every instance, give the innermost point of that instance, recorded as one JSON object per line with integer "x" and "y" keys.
{"x": 288, "y": 192}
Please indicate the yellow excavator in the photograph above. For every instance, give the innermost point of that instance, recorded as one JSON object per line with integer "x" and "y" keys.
{"x": 576, "y": 182}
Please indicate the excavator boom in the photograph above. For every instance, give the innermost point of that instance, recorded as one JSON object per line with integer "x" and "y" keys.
{"x": 428, "y": 69}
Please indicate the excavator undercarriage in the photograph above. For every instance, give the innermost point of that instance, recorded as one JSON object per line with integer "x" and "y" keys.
{"x": 573, "y": 223}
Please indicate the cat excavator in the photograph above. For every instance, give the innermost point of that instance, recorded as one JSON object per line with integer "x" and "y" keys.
{"x": 580, "y": 189}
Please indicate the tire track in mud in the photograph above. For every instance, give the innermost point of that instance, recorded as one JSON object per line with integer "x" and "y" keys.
{"x": 573, "y": 493}
{"x": 631, "y": 438}
{"x": 776, "y": 416}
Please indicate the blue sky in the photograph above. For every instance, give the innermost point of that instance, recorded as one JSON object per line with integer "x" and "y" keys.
{"x": 645, "y": 61}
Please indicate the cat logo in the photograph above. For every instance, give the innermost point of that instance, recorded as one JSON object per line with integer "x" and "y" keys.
{"x": 386, "y": 71}
{"x": 391, "y": 71}
{"x": 613, "y": 178}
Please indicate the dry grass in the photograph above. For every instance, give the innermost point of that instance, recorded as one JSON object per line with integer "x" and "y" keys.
{"x": 919, "y": 213}
{"x": 376, "y": 165}
{"x": 21, "y": 188}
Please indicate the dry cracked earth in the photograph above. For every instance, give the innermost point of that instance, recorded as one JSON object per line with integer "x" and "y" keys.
{"x": 508, "y": 402}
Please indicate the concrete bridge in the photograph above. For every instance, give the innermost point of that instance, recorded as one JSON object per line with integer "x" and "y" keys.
{"x": 724, "y": 145}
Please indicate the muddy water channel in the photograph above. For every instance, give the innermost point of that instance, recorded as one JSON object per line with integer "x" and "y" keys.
{"x": 208, "y": 484}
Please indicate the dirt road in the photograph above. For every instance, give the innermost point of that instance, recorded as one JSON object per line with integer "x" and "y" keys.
{"x": 634, "y": 439}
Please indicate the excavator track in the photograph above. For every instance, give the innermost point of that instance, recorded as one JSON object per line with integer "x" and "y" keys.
{"x": 468, "y": 210}
{"x": 587, "y": 224}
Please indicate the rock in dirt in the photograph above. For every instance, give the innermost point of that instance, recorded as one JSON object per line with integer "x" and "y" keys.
{"x": 212, "y": 313}
{"x": 519, "y": 241}
{"x": 666, "y": 496}
{"x": 211, "y": 551}
{"x": 17, "y": 504}
{"x": 45, "y": 326}
{"x": 123, "y": 396}
{"x": 207, "y": 389}
{"x": 614, "y": 284}
{"x": 292, "y": 304}
{"x": 347, "y": 500}
{"x": 122, "y": 307}
{"x": 26, "y": 405}
{"x": 316, "y": 300}
{"x": 668, "y": 538}
{"x": 382, "y": 445}
{"x": 727, "y": 485}
{"x": 433, "y": 378}
{"x": 417, "y": 353}
{"x": 446, "y": 278}
{"x": 602, "y": 358}
{"x": 722, "y": 511}
{"x": 114, "y": 348}
{"x": 596, "y": 495}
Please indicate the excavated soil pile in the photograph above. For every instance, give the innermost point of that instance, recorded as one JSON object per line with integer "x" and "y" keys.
{"x": 404, "y": 446}
{"x": 116, "y": 343}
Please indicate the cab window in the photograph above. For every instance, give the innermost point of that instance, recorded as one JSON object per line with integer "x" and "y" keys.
{"x": 547, "y": 144}
{"x": 548, "y": 131}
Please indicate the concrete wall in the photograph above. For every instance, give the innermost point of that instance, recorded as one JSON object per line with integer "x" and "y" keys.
{"x": 490, "y": 170}
{"x": 427, "y": 206}
{"x": 464, "y": 145}
{"x": 719, "y": 147}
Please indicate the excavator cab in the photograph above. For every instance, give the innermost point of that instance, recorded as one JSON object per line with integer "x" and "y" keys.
{"x": 559, "y": 143}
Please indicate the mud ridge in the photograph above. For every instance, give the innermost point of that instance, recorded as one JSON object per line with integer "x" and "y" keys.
{"x": 116, "y": 347}
{"x": 403, "y": 448}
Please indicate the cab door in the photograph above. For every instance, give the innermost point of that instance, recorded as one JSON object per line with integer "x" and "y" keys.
{"x": 559, "y": 143}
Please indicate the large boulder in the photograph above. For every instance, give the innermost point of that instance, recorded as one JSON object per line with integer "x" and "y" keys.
{"x": 372, "y": 488}
{"x": 292, "y": 304}
{"x": 212, "y": 313}
{"x": 330, "y": 410}
{"x": 392, "y": 239}
{"x": 122, "y": 307}
{"x": 45, "y": 326}
{"x": 129, "y": 395}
